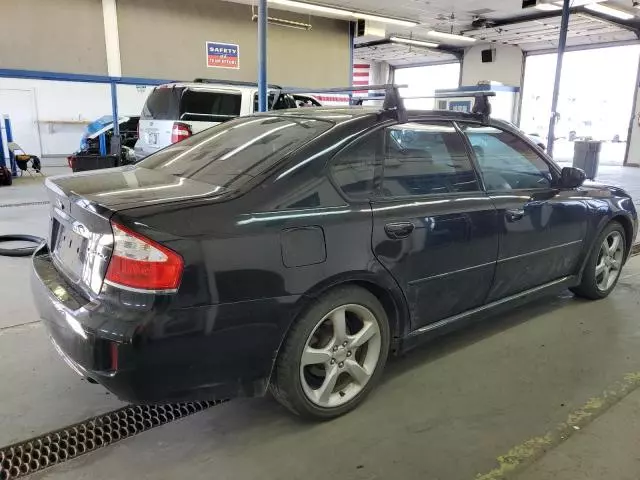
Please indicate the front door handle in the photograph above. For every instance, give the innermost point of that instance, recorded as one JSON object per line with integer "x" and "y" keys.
{"x": 513, "y": 215}
{"x": 399, "y": 230}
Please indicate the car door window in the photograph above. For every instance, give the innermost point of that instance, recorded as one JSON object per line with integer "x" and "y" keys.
{"x": 506, "y": 161}
{"x": 354, "y": 168}
{"x": 424, "y": 159}
{"x": 207, "y": 106}
{"x": 283, "y": 102}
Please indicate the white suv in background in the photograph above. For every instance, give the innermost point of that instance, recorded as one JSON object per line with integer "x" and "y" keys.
{"x": 176, "y": 111}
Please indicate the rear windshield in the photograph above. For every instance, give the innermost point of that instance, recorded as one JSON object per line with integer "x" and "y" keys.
{"x": 162, "y": 104}
{"x": 180, "y": 103}
{"x": 244, "y": 147}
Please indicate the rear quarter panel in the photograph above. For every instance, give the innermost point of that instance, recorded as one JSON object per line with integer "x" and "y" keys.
{"x": 233, "y": 250}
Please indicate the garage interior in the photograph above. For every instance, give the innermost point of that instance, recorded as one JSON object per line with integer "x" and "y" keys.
{"x": 548, "y": 390}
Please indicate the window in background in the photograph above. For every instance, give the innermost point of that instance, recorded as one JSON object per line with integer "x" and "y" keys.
{"x": 424, "y": 81}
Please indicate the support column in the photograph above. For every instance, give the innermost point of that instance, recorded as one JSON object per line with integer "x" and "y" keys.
{"x": 111, "y": 37}
{"x": 262, "y": 55}
{"x": 562, "y": 42}
{"x": 632, "y": 153}
{"x": 114, "y": 66}
{"x": 116, "y": 143}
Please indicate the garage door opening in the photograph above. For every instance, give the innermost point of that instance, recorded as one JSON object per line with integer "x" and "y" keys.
{"x": 595, "y": 100}
{"x": 424, "y": 81}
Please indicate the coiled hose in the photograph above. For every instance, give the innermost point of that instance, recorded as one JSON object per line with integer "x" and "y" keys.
{"x": 20, "y": 251}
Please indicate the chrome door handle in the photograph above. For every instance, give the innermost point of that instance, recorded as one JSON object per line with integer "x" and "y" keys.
{"x": 399, "y": 230}
{"x": 515, "y": 214}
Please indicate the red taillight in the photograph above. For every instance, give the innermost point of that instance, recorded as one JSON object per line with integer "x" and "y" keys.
{"x": 139, "y": 263}
{"x": 71, "y": 160}
{"x": 179, "y": 132}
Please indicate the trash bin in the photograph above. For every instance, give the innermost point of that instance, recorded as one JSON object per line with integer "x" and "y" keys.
{"x": 586, "y": 155}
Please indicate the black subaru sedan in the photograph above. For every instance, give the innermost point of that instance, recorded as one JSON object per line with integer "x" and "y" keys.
{"x": 293, "y": 251}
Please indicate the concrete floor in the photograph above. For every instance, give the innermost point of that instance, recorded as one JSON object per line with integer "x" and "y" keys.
{"x": 551, "y": 386}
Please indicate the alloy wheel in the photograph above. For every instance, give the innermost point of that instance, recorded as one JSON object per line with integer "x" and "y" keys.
{"x": 609, "y": 261}
{"x": 340, "y": 355}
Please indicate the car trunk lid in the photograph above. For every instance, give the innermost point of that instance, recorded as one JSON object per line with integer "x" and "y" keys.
{"x": 81, "y": 237}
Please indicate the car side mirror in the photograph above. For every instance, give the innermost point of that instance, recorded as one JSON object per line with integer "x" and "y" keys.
{"x": 572, "y": 177}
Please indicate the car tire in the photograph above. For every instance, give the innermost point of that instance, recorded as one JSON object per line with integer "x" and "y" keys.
{"x": 604, "y": 264}
{"x": 345, "y": 363}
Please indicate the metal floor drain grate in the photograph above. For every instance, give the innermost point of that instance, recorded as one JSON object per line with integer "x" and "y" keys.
{"x": 33, "y": 455}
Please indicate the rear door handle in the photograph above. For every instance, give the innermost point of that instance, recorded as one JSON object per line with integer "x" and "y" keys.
{"x": 399, "y": 230}
{"x": 513, "y": 215}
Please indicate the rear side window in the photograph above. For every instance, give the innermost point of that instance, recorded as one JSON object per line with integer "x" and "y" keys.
{"x": 162, "y": 104}
{"x": 233, "y": 152}
{"x": 208, "y": 106}
{"x": 354, "y": 168}
{"x": 425, "y": 159}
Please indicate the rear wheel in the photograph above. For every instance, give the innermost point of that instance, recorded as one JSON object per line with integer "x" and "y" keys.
{"x": 604, "y": 264}
{"x": 334, "y": 354}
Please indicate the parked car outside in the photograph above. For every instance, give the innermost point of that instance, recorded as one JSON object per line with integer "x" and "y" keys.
{"x": 295, "y": 250}
{"x": 176, "y": 111}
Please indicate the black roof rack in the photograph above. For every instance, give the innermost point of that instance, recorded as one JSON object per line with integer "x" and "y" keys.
{"x": 233, "y": 82}
{"x": 392, "y": 101}
{"x": 481, "y": 106}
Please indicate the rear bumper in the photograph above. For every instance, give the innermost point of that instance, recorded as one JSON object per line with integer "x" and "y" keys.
{"x": 158, "y": 355}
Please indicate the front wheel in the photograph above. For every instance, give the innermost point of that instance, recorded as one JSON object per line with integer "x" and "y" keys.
{"x": 604, "y": 264}
{"x": 333, "y": 355}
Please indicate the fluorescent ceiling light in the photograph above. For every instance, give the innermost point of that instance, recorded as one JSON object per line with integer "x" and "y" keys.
{"x": 281, "y": 22}
{"x": 451, "y": 36}
{"x": 547, "y": 7}
{"x": 606, "y": 10}
{"x": 410, "y": 41}
{"x": 343, "y": 13}
{"x": 376, "y": 18}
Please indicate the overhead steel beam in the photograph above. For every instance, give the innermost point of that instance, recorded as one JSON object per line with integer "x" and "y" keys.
{"x": 633, "y": 25}
{"x": 536, "y": 15}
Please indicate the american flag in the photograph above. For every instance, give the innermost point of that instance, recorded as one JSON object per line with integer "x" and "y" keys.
{"x": 361, "y": 72}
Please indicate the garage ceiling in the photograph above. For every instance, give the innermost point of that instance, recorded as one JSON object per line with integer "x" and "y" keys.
{"x": 400, "y": 55}
{"x": 507, "y": 23}
{"x": 532, "y": 35}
